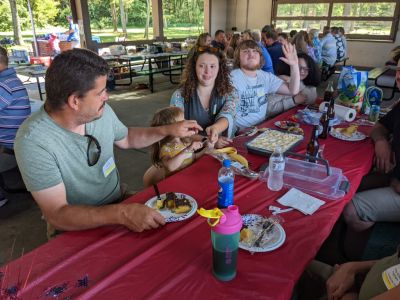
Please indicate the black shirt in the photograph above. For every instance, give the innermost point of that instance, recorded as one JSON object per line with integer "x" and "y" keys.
{"x": 391, "y": 121}
{"x": 218, "y": 45}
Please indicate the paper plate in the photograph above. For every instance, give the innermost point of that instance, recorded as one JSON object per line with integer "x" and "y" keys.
{"x": 357, "y": 136}
{"x": 169, "y": 215}
{"x": 275, "y": 239}
{"x": 286, "y": 124}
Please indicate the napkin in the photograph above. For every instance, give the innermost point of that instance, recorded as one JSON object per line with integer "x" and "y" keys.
{"x": 301, "y": 201}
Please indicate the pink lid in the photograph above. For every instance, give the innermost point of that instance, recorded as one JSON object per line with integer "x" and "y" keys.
{"x": 231, "y": 222}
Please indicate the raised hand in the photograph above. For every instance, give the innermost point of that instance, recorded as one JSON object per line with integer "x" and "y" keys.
{"x": 290, "y": 55}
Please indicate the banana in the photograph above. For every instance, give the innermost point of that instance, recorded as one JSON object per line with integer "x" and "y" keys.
{"x": 240, "y": 159}
{"x": 232, "y": 153}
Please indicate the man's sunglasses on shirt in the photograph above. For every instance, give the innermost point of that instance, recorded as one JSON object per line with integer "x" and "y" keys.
{"x": 93, "y": 150}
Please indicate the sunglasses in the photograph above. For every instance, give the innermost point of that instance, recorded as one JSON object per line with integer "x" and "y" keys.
{"x": 207, "y": 49}
{"x": 93, "y": 150}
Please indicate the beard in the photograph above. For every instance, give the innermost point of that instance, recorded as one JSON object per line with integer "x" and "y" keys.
{"x": 251, "y": 68}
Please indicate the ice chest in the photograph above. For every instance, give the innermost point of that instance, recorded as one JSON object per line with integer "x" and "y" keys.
{"x": 313, "y": 178}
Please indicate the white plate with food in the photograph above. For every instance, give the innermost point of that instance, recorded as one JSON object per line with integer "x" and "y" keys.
{"x": 348, "y": 134}
{"x": 286, "y": 124}
{"x": 174, "y": 207}
{"x": 254, "y": 240}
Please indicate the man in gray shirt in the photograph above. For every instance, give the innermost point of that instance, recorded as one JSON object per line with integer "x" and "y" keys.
{"x": 65, "y": 150}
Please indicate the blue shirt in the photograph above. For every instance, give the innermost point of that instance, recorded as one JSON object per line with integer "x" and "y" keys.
{"x": 329, "y": 52}
{"x": 74, "y": 36}
{"x": 267, "y": 67}
{"x": 317, "y": 49}
{"x": 14, "y": 106}
{"x": 275, "y": 51}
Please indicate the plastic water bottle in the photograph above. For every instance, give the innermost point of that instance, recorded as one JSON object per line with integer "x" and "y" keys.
{"x": 226, "y": 179}
{"x": 276, "y": 168}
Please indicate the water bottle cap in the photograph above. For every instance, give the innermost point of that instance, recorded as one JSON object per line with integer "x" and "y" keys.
{"x": 226, "y": 163}
{"x": 232, "y": 222}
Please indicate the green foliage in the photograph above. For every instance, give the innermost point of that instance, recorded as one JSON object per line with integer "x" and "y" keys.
{"x": 186, "y": 14}
{"x": 45, "y": 12}
{"x": 5, "y": 15}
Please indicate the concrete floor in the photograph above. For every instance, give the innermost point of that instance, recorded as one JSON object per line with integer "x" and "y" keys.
{"x": 24, "y": 230}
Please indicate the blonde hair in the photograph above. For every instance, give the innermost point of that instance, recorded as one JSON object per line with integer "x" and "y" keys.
{"x": 164, "y": 116}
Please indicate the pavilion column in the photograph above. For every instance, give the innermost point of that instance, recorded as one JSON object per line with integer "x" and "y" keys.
{"x": 207, "y": 16}
{"x": 158, "y": 24}
{"x": 80, "y": 13}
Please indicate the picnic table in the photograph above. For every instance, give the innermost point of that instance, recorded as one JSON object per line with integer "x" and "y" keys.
{"x": 175, "y": 261}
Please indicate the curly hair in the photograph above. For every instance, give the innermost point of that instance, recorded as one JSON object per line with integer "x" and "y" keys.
{"x": 163, "y": 116}
{"x": 222, "y": 84}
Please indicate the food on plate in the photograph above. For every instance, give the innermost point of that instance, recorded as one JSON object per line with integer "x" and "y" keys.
{"x": 269, "y": 139}
{"x": 174, "y": 203}
{"x": 296, "y": 130}
{"x": 246, "y": 235}
{"x": 286, "y": 124}
{"x": 348, "y": 131}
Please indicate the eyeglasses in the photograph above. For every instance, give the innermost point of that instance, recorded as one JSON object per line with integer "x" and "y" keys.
{"x": 93, "y": 150}
{"x": 304, "y": 69}
{"x": 207, "y": 49}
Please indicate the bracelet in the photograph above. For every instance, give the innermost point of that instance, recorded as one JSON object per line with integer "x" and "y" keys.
{"x": 186, "y": 150}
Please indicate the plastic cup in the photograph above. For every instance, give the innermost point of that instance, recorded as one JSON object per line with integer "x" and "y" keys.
{"x": 225, "y": 251}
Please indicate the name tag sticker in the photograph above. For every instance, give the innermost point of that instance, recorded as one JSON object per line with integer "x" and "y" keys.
{"x": 391, "y": 276}
{"x": 109, "y": 166}
{"x": 260, "y": 92}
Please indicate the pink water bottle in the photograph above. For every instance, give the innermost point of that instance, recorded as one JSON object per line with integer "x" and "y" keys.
{"x": 225, "y": 241}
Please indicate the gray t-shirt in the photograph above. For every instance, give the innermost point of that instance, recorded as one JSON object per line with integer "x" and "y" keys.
{"x": 48, "y": 154}
{"x": 252, "y": 107}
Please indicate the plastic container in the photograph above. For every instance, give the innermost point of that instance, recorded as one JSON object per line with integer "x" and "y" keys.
{"x": 276, "y": 169}
{"x": 225, "y": 243}
{"x": 312, "y": 178}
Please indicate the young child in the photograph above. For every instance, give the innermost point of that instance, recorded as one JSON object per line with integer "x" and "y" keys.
{"x": 172, "y": 154}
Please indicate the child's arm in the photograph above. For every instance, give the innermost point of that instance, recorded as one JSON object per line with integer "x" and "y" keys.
{"x": 209, "y": 146}
{"x": 173, "y": 163}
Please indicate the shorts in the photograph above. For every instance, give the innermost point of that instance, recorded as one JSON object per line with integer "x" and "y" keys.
{"x": 378, "y": 205}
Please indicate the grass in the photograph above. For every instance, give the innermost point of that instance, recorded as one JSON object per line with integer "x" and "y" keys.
{"x": 107, "y": 35}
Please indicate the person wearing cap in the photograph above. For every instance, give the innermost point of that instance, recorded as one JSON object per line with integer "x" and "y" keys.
{"x": 73, "y": 33}
{"x": 54, "y": 43}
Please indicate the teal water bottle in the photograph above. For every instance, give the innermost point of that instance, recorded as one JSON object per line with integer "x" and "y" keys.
{"x": 225, "y": 243}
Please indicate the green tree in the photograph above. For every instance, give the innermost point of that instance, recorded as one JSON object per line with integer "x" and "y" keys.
{"x": 45, "y": 12}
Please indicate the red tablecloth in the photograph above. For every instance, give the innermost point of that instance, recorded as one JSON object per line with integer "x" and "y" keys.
{"x": 174, "y": 262}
